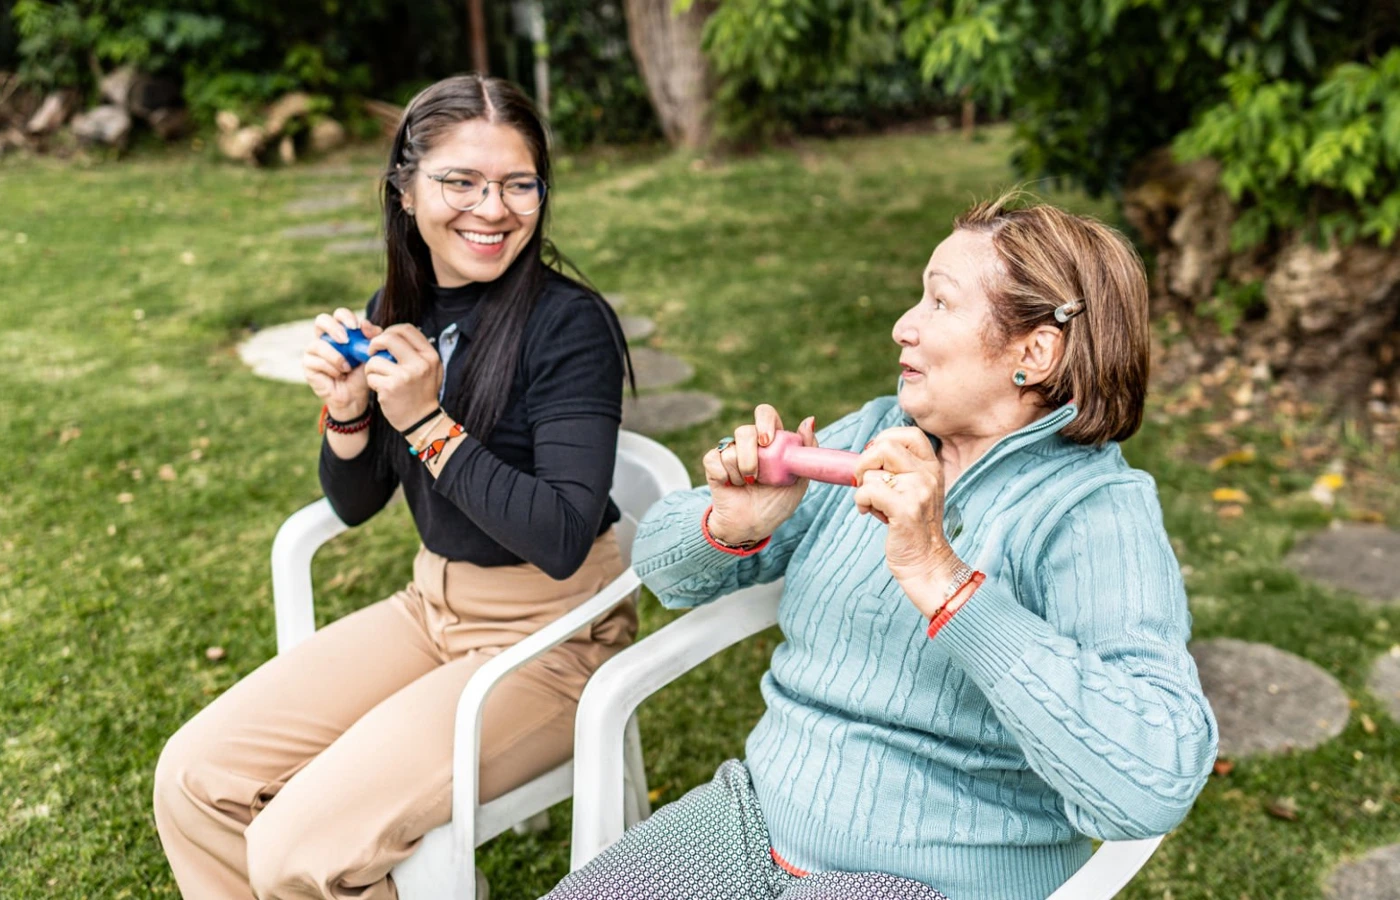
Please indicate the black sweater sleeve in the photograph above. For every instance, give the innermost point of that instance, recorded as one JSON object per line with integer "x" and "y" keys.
{"x": 355, "y": 487}
{"x": 573, "y": 393}
{"x": 550, "y": 518}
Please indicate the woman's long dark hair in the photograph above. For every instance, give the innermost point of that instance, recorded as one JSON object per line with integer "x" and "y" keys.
{"x": 479, "y": 398}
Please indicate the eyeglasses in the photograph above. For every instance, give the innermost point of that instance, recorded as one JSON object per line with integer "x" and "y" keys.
{"x": 466, "y": 189}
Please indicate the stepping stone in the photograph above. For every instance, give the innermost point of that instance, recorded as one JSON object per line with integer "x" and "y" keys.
{"x": 276, "y": 352}
{"x": 326, "y": 230}
{"x": 655, "y": 369}
{"x": 1375, "y": 876}
{"x": 361, "y": 245}
{"x": 1384, "y": 682}
{"x": 1364, "y": 559}
{"x": 322, "y": 203}
{"x": 1266, "y": 700}
{"x": 656, "y": 414}
{"x": 636, "y": 328}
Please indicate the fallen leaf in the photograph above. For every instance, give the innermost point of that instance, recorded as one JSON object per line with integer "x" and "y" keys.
{"x": 196, "y": 455}
{"x": 654, "y": 795}
{"x": 1230, "y": 511}
{"x": 214, "y": 654}
{"x": 1367, "y": 515}
{"x": 125, "y": 497}
{"x": 1242, "y": 456}
{"x": 167, "y": 473}
{"x": 1370, "y": 807}
{"x": 1224, "y": 767}
{"x": 187, "y": 258}
{"x": 69, "y": 434}
{"x": 1368, "y": 725}
{"x": 1283, "y": 808}
{"x": 1331, "y": 480}
{"x": 1229, "y": 495}
{"x": 111, "y": 531}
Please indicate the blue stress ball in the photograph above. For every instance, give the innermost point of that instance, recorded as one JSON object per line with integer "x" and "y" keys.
{"x": 356, "y": 349}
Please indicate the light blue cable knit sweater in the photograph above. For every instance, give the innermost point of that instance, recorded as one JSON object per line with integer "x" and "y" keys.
{"x": 1059, "y": 704}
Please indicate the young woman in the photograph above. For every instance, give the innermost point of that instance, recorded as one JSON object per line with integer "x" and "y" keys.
{"x": 496, "y": 411}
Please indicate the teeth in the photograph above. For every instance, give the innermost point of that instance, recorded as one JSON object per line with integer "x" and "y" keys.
{"x": 483, "y": 238}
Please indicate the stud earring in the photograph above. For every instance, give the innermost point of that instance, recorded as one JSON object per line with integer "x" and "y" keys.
{"x": 1019, "y": 379}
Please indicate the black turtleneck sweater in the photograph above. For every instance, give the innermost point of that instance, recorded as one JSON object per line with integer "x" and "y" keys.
{"x": 537, "y": 490}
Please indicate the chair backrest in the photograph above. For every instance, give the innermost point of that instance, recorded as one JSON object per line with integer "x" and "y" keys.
{"x": 645, "y": 472}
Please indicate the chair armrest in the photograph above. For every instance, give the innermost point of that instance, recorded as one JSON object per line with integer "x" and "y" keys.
{"x": 623, "y": 682}
{"x": 466, "y": 741}
{"x": 296, "y": 543}
{"x": 1111, "y": 867}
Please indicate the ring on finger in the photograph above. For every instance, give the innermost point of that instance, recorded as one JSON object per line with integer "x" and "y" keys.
{"x": 888, "y": 478}
{"x": 724, "y": 444}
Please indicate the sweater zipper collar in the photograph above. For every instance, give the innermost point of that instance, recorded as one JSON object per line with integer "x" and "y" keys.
{"x": 1023, "y": 437}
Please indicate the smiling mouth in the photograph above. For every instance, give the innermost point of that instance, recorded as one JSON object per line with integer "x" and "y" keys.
{"x": 487, "y": 240}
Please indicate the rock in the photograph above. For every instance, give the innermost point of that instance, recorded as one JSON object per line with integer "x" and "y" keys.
{"x": 54, "y": 111}
{"x": 327, "y": 135}
{"x": 1364, "y": 559}
{"x": 115, "y": 86}
{"x": 243, "y": 145}
{"x": 1375, "y": 876}
{"x": 1266, "y": 700}
{"x": 12, "y": 139}
{"x": 110, "y": 125}
{"x": 169, "y": 123}
{"x": 287, "y": 150}
{"x": 284, "y": 110}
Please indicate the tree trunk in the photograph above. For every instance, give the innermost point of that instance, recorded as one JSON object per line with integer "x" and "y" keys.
{"x": 476, "y": 14}
{"x": 678, "y": 76}
{"x": 1325, "y": 320}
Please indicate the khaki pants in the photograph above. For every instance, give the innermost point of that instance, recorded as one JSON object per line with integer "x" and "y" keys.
{"x": 318, "y": 772}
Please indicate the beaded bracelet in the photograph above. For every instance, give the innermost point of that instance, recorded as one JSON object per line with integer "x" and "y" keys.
{"x": 415, "y": 447}
{"x": 335, "y": 426}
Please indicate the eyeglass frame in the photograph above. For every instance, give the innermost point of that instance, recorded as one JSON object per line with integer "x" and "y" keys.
{"x": 441, "y": 179}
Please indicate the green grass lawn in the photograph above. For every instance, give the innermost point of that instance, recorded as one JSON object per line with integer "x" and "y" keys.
{"x": 145, "y": 472}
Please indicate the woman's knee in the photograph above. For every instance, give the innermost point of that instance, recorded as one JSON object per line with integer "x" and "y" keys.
{"x": 180, "y": 794}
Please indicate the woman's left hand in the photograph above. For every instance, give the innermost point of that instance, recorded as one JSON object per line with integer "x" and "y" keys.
{"x": 408, "y": 387}
{"x": 901, "y": 483}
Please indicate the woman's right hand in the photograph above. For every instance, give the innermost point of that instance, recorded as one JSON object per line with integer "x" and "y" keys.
{"x": 343, "y": 389}
{"x": 745, "y": 511}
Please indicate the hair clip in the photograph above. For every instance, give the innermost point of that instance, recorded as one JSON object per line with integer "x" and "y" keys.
{"x": 407, "y": 135}
{"x": 1068, "y": 311}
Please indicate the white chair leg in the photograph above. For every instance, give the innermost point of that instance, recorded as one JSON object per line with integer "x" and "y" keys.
{"x": 534, "y": 825}
{"x": 636, "y": 799}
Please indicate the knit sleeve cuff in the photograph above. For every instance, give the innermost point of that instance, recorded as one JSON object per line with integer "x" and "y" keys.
{"x": 991, "y": 632}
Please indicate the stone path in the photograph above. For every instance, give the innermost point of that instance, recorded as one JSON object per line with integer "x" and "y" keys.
{"x": 1384, "y": 683}
{"x": 276, "y": 352}
{"x": 326, "y": 230}
{"x": 1266, "y": 700}
{"x": 1364, "y": 559}
{"x": 1375, "y": 876}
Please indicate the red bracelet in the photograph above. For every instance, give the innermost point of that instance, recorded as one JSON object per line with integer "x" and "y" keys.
{"x": 354, "y": 426}
{"x": 434, "y": 448}
{"x": 956, "y": 603}
{"x": 721, "y": 546}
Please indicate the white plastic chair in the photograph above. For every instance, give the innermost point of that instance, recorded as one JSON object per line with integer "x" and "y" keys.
{"x": 612, "y": 695}
{"x": 443, "y": 866}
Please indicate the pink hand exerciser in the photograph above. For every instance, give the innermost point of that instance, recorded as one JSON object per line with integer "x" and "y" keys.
{"x": 785, "y": 460}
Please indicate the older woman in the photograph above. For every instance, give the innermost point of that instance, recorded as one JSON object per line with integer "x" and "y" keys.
{"x": 985, "y": 665}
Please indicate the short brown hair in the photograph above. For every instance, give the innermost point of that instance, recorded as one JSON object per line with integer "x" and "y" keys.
{"x": 1049, "y": 258}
